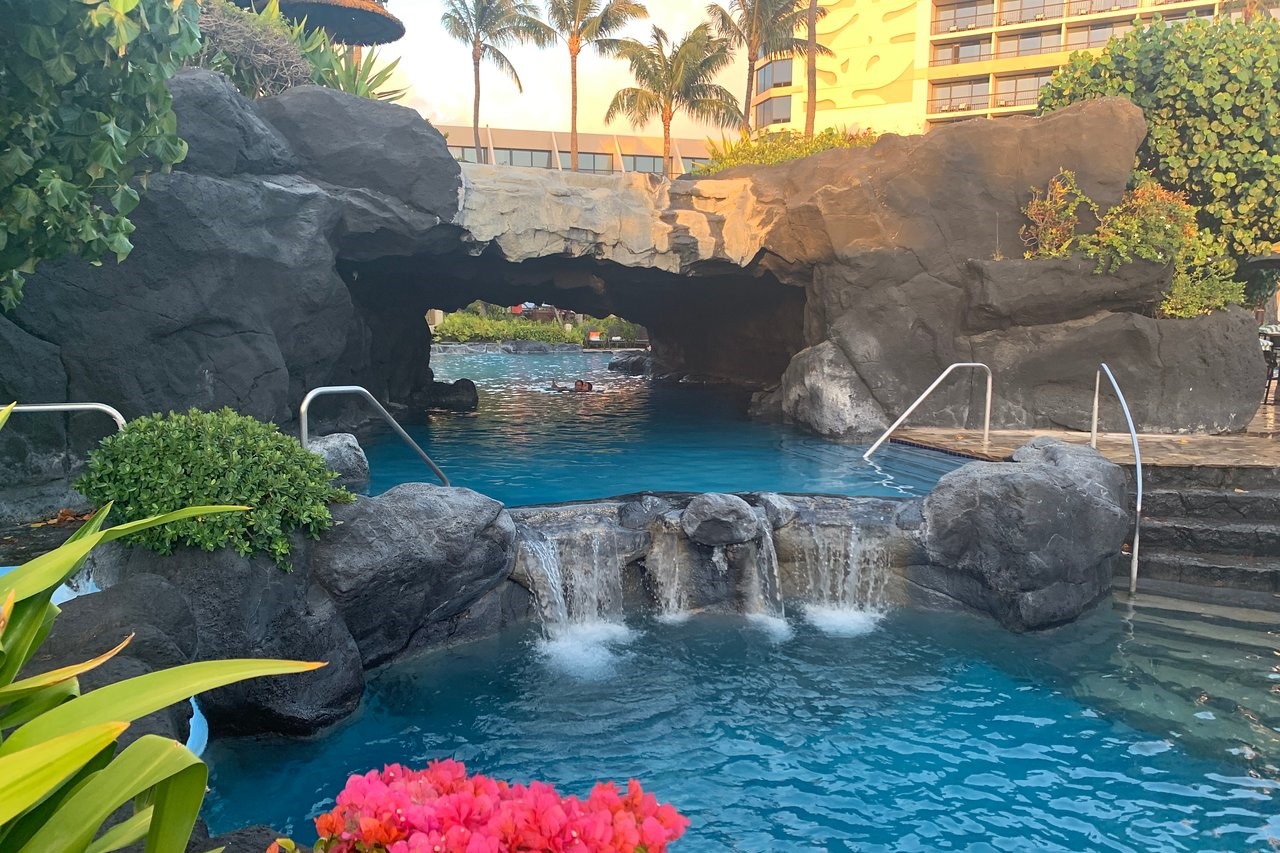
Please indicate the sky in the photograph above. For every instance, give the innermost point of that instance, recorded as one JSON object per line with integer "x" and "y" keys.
{"x": 437, "y": 71}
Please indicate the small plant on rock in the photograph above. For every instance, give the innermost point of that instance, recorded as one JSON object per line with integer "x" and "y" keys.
{"x": 1054, "y": 215}
{"x": 161, "y": 463}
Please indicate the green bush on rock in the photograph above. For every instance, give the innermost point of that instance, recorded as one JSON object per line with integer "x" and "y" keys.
{"x": 465, "y": 327}
{"x": 161, "y": 463}
{"x": 768, "y": 148}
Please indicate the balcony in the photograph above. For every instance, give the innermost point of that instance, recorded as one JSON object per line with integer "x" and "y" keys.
{"x": 1019, "y": 50}
{"x": 957, "y": 104}
{"x": 962, "y": 21}
{"x": 1017, "y": 99}
{"x": 958, "y": 59}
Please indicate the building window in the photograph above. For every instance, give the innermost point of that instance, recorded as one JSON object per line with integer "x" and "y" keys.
{"x": 1018, "y": 11}
{"x": 463, "y": 153}
{"x": 964, "y": 16}
{"x": 1020, "y": 91}
{"x": 964, "y": 51}
{"x": 596, "y": 162}
{"x": 522, "y": 157}
{"x": 960, "y": 96}
{"x": 1030, "y": 44}
{"x": 773, "y": 75}
{"x": 1079, "y": 38}
{"x": 773, "y": 111}
{"x": 642, "y": 163}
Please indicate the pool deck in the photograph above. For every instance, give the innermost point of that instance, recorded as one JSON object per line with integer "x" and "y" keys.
{"x": 1258, "y": 446}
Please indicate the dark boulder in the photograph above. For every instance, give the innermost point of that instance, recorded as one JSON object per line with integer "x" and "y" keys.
{"x": 526, "y": 347}
{"x": 632, "y": 364}
{"x": 457, "y": 396}
{"x": 641, "y": 512}
{"x": 714, "y": 519}
{"x": 223, "y": 131}
{"x": 412, "y": 556}
{"x": 1031, "y": 543}
{"x": 248, "y": 607}
{"x": 779, "y": 510}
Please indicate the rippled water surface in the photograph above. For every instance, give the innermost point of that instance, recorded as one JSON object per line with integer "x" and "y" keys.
{"x": 528, "y": 444}
{"x": 920, "y": 733}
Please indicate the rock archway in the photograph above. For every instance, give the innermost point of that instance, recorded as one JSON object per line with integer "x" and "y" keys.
{"x": 305, "y": 236}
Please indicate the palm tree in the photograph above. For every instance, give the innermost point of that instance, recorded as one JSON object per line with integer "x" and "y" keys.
{"x": 674, "y": 76}
{"x": 811, "y": 69}
{"x": 766, "y": 29}
{"x": 581, "y": 22}
{"x": 488, "y": 26}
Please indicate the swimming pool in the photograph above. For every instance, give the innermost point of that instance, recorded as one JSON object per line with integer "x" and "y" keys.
{"x": 530, "y": 445}
{"x": 919, "y": 732}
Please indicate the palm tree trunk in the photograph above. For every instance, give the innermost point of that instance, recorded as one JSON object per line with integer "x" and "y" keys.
{"x": 811, "y": 71}
{"x": 666, "y": 145}
{"x": 475, "y": 109}
{"x": 573, "y": 105}
{"x": 746, "y": 102}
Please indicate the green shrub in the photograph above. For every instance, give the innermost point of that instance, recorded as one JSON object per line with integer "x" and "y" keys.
{"x": 779, "y": 147}
{"x": 161, "y": 463}
{"x": 1149, "y": 223}
{"x": 465, "y": 327}
{"x": 257, "y": 51}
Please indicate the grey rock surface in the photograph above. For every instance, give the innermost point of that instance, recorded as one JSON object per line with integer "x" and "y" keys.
{"x": 410, "y": 557}
{"x": 343, "y": 454}
{"x": 715, "y": 519}
{"x": 1031, "y": 543}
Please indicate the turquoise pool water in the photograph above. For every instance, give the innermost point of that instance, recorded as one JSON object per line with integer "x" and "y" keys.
{"x": 926, "y": 732}
{"x": 530, "y": 445}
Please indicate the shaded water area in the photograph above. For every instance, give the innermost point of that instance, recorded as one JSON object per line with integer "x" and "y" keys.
{"x": 530, "y": 445}
{"x": 910, "y": 731}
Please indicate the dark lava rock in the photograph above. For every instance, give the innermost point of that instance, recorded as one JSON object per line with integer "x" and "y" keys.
{"x": 505, "y": 605}
{"x": 715, "y": 519}
{"x": 412, "y": 556}
{"x": 457, "y": 396}
{"x": 343, "y": 453}
{"x": 526, "y": 347}
{"x": 778, "y": 510}
{"x": 223, "y": 131}
{"x": 248, "y": 607}
{"x": 632, "y": 364}
{"x": 1031, "y": 543}
{"x": 395, "y": 152}
{"x": 640, "y": 513}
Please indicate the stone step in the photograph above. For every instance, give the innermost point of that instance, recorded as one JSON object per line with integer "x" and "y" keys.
{"x": 1205, "y": 536}
{"x": 1225, "y": 477}
{"x": 1234, "y": 571}
{"x": 1261, "y": 505}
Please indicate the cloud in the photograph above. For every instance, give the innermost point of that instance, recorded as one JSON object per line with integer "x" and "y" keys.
{"x": 438, "y": 72}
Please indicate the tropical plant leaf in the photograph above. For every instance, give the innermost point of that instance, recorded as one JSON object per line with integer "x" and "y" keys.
{"x": 145, "y": 694}
{"x": 21, "y": 689}
{"x": 31, "y": 774}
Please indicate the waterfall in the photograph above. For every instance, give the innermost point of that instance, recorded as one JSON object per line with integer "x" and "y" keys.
{"x": 575, "y": 575}
{"x": 666, "y": 564}
{"x": 849, "y": 571}
{"x": 765, "y": 584}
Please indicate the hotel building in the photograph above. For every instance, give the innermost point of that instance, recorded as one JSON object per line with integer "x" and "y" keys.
{"x": 908, "y": 65}
{"x": 600, "y": 153}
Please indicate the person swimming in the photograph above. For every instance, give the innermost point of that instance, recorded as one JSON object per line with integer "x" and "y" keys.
{"x": 580, "y": 386}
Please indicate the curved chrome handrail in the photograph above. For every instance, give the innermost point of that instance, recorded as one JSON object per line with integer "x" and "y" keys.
{"x": 74, "y": 407}
{"x": 363, "y": 392}
{"x": 986, "y": 423}
{"x": 1137, "y": 459}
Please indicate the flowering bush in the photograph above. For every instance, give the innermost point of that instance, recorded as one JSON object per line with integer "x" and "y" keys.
{"x": 443, "y": 810}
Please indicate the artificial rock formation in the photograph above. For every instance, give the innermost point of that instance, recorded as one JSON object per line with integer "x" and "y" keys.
{"x": 306, "y": 235}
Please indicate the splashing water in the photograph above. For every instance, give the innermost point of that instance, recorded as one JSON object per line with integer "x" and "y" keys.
{"x": 666, "y": 564}
{"x": 847, "y": 581}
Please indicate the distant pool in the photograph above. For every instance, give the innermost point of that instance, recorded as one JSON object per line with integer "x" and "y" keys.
{"x": 528, "y": 444}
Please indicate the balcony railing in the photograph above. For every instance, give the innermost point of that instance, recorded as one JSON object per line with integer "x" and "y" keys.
{"x": 958, "y": 104}
{"x": 1019, "y": 50}
{"x": 1018, "y": 99}
{"x": 964, "y": 21}
{"x": 960, "y": 59}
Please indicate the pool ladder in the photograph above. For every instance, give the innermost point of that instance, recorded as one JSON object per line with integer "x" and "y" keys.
{"x": 329, "y": 390}
{"x": 1093, "y": 438}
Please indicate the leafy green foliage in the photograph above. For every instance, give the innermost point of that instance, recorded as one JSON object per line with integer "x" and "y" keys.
{"x": 766, "y": 149}
{"x": 356, "y": 75}
{"x": 256, "y": 51}
{"x": 611, "y": 327}
{"x": 82, "y": 104}
{"x": 465, "y": 327}
{"x": 1150, "y": 223}
{"x": 160, "y": 463}
{"x": 60, "y": 776}
{"x": 1210, "y": 90}
{"x": 1054, "y": 215}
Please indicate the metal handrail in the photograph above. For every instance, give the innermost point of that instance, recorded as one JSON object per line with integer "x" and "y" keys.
{"x": 1137, "y": 458}
{"x": 386, "y": 416}
{"x": 74, "y": 407}
{"x": 986, "y": 423}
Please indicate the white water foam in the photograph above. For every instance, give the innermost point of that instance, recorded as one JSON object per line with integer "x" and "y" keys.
{"x": 585, "y": 650}
{"x": 842, "y": 620}
{"x": 776, "y": 628}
